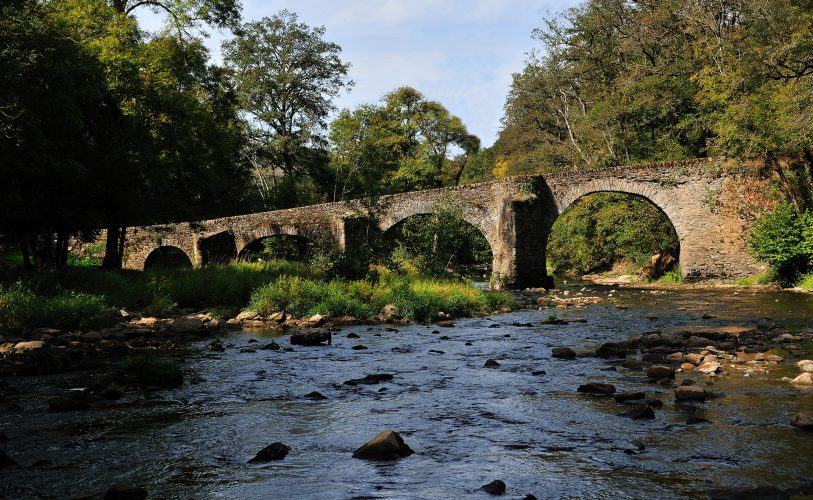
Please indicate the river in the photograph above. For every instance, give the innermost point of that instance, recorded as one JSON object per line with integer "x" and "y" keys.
{"x": 468, "y": 424}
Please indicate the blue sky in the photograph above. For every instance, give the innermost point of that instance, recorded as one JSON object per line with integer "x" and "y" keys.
{"x": 460, "y": 53}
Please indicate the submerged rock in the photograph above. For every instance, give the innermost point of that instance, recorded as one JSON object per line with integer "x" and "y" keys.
{"x": 371, "y": 379}
{"x": 388, "y": 445}
{"x": 273, "y": 346}
{"x": 563, "y": 353}
{"x": 274, "y": 451}
{"x": 623, "y": 397}
{"x": 639, "y": 412}
{"x": 597, "y": 388}
{"x": 125, "y": 491}
{"x": 491, "y": 363}
{"x": 315, "y": 395}
{"x": 495, "y": 487}
{"x": 803, "y": 379}
{"x": 311, "y": 337}
{"x": 803, "y": 420}
{"x": 216, "y": 346}
{"x": 660, "y": 372}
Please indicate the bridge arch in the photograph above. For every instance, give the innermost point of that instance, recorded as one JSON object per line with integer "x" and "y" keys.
{"x": 167, "y": 256}
{"x": 251, "y": 240}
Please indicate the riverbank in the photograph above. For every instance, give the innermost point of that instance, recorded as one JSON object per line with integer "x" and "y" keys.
{"x": 520, "y": 418}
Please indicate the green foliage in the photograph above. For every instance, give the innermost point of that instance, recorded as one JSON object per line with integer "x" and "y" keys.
{"x": 782, "y": 238}
{"x": 674, "y": 276}
{"x": 806, "y": 282}
{"x": 604, "y": 228}
{"x": 405, "y": 143}
{"x": 441, "y": 244}
{"x": 760, "y": 279}
{"x": 21, "y": 308}
{"x": 416, "y": 299}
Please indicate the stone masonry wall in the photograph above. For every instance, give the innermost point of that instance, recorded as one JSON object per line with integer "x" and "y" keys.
{"x": 515, "y": 215}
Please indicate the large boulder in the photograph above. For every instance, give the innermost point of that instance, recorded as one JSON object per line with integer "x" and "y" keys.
{"x": 247, "y": 315}
{"x": 187, "y": 324}
{"x": 31, "y": 345}
{"x": 806, "y": 365}
{"x": 388, "y": 445}
{"x": 709, "y": 367}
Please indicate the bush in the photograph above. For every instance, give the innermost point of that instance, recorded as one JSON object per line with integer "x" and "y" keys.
{"x": 806, "y": 283}
{"x": 783, "y": 239}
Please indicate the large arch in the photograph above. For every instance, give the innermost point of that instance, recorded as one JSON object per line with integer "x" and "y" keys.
{"x": 294, "y": 248}
{"x": 217, "y": 248}
{"x": 669, "y": 202}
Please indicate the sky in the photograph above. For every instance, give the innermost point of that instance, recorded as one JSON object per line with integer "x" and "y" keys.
{"x": 461, "y": 53}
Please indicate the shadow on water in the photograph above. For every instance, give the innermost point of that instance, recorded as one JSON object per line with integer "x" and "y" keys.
{"x": 468, "y": 424}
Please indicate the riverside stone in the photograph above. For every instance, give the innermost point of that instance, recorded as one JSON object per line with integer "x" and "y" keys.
{"x": 803, "y": 420}
{"x": 690, "y": 393}
{"x": 274, "y": 451}
{"x": 563, "y": 353}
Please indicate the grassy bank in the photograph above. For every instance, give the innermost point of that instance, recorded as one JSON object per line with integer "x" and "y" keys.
{"x": 414, "y": 298}
{"x": 86, "y": 297}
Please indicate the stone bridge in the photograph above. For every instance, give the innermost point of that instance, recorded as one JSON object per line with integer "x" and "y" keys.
{"x": 702, "y": 199}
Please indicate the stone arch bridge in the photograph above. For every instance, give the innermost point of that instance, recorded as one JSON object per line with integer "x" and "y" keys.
{"x": 701, "y": 198}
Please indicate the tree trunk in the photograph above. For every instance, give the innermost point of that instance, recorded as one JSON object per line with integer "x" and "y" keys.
{"x": 789, "y": 188}
{"x": 27, "y": 264}
{"x": 114, "y": 247}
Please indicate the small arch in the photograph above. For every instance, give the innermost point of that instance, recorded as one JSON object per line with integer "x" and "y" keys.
{"x": 278, "y": 246}
{"x": 473, "y": 255}
{"x": 167, "y": 257}
{"x": 219, "y": 248}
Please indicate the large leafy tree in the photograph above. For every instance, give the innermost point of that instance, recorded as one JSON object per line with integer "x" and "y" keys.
{"x": 287, "y": 76}
{"x": 404, "y": 143}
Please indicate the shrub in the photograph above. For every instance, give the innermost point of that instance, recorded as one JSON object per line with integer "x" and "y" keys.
{"x": 806, "y": 283}
{"x": 783, "y": 239}
{"x": 672, "y": 277}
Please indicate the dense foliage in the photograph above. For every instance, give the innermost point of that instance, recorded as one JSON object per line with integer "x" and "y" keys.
{"x": 784, "y": 239}
{"x": 604, "y": 228}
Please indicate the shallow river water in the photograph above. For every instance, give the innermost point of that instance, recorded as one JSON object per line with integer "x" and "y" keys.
{"x": 467, "y": 424}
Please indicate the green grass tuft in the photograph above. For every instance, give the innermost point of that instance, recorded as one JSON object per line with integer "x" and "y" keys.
{"x": 806, "y": 283}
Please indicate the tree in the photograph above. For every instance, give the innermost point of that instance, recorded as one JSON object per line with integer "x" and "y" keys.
{"x": 405, "y": 143}
{"x": 185, "y": 14}
{"x": 287, "y": 76}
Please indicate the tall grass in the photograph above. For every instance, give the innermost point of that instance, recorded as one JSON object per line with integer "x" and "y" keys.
{"x": 21, "y": 308}
{"x": 806, "y": 283}
{"x": 674, "y": 276}
{"x": 414, "y": 298}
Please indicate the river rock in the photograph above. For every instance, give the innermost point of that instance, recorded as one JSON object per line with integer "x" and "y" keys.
{"x": 316, "y": 396}
{"x": 803, "y": 379}
{"x": 697, "y": 341}
{"x": 274, "y": 451}
{"x": 675, "y": 357}
{"x": 273, "y": 346}
{"x": 91, "y": 337}
{"x": 623, "y": 397}
{"x": 597, "y": 388}
{"x": 388, "y": 313}
{"x": 495, "y": 487}
{"x": 359, "y": 347}
{"x": 611, "y": 350}
{"x": 317, "y": 320}
{"x": 690, "y": 393}
{"x": 709, "y": 367}
{"x": 371, "y": 379}
{"x": 563, "y": 353}
{"x": 311, "y": 337}
{"x": 491, "y": 363}
{"x": 277, "y": 317}
{"x": 31, "y": 345}
{"x": 639, "y": 412}
{"x": 247, "y": 315}
{"x": 687, "y": 367}
{"x": 187, "y": 324}
{"x": 803, "y": 420}
{"x": 125, "y": 491}
{"x": 388, "y": 445}
{"x": 352, "y": 335}
{"x": 146, "y": 322}
{"x": 693, "y": 358}
{"x": 632, "y": 363}
{"x": 216, "y": 346}
{"x": 805, "y": 365}
{"x": 660, "y": 372}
